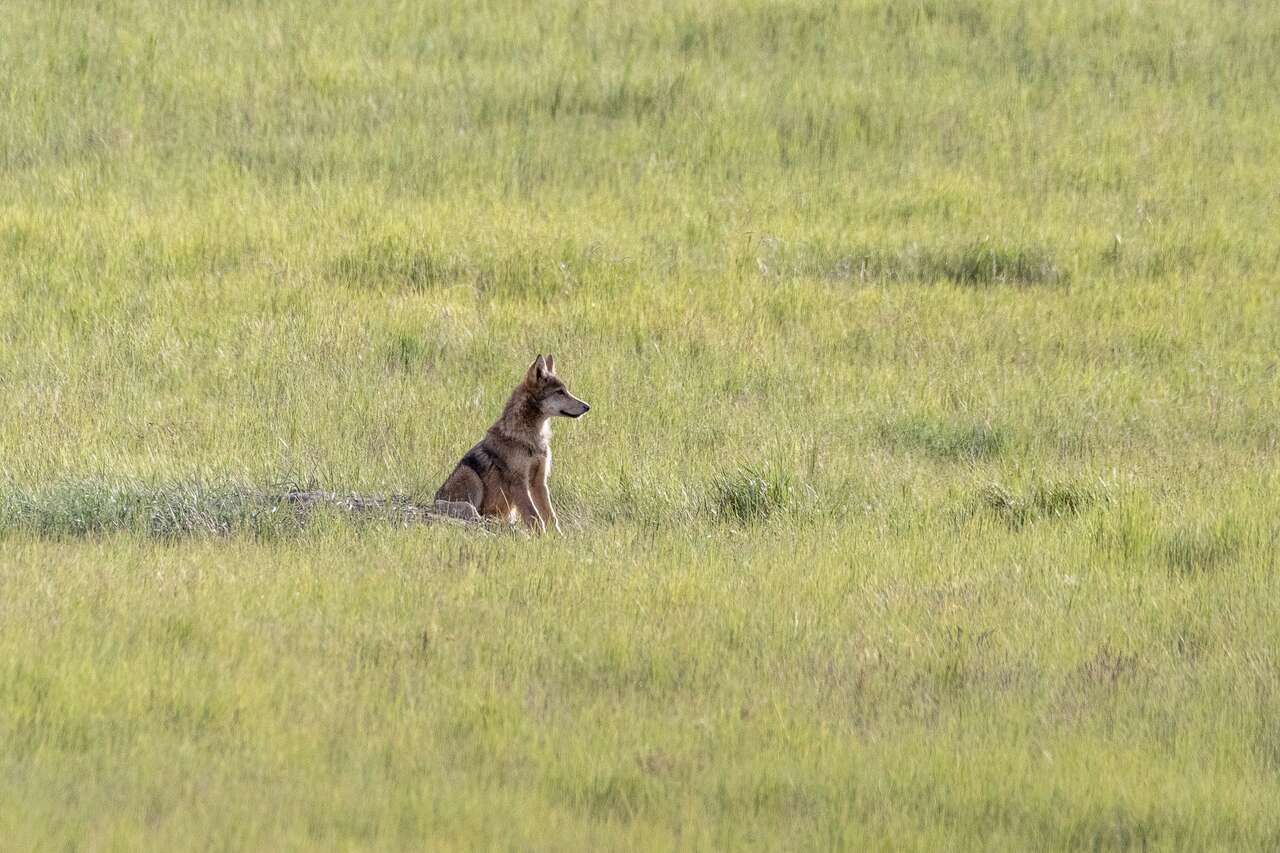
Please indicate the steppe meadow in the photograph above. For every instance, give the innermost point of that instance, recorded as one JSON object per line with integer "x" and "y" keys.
{"x": 929, "y": 495}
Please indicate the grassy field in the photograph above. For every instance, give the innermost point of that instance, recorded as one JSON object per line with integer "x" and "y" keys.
{"x": 929, "y": 495}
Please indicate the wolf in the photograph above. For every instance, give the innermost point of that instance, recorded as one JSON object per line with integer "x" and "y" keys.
{"x": 505, "y": 475}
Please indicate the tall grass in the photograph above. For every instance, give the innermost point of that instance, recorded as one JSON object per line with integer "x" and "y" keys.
{"x": 927, "y": 498}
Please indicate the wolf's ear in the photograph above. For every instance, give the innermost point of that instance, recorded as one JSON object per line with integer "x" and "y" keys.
{"x": 537, "y": 371}
{"x": 551, "y": 363}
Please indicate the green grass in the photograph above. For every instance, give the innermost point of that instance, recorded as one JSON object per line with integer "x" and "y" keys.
{"x": 928, "y": 498}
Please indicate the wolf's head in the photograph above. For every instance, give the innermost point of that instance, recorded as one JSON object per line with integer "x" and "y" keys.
{"x": 548, "y": 391}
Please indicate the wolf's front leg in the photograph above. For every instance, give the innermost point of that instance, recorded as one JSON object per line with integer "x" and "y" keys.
{"x": 542, "y": 498}
{"x": 547, "y": 511}
{"x": 528, "y": 511}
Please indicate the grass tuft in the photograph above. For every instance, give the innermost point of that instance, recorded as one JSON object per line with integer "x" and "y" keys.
{"x": 978, "y": 264}
{"x": 408, "y": 353}
{"x": 394, "y": 264}
{"x": 1199, "y": 547}
{"x": 391, "y": 264}
{"x": 1185, "y": 547}
{"x": 1040, "y": 501}
{"x": 750, "y": 496}
{"x": 967, "y": 442}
